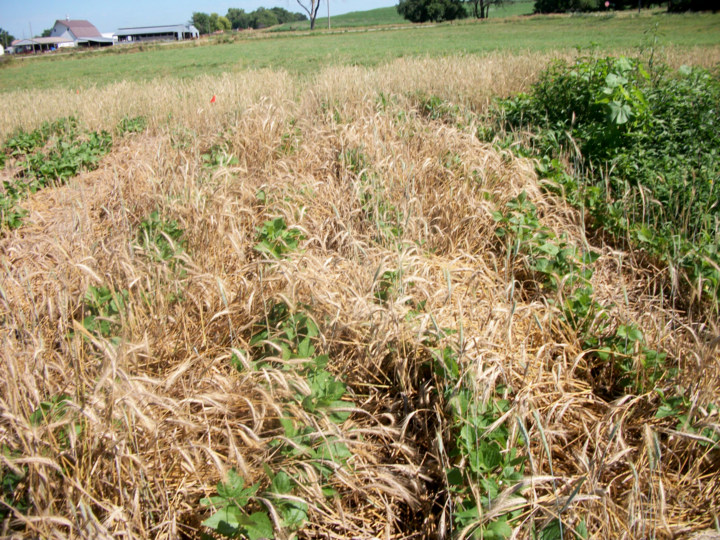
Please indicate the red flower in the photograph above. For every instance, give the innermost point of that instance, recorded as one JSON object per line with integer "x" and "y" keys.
{"x": 212, "y": 100}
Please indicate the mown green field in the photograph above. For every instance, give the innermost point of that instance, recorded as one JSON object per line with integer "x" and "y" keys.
{"x": 389, "y": 15}
{"x": 372, "y": 17}
{"x": 303, "y": 53}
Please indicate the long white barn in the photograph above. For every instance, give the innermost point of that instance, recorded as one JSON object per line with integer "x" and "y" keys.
{"x": 176, "y": 32}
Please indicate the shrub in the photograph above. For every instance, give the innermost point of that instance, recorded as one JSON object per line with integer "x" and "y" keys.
{"x": 419, "y": 11}
{"x": 563, "y": 6}
{"x": 648, "y": 153}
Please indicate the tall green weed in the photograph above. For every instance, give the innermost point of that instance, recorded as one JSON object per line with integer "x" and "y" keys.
{"x": 644, "y": 147}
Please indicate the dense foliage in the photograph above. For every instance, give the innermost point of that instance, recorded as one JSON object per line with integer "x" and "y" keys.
{"x": 480, "y": 9}
{"x": 645, "y": 146}
{"x": 563, "y": 6}
{"x": 45, "y": 157}
{"x": 419, "y": 11}
{"x": 207, "y": 24}
{"x": 692, "y": 5}
{"x": 262, "y": 18}
{"x": 5, "y": 38}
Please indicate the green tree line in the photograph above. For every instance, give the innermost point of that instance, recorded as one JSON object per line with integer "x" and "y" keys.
{"x": 239, "y": 19}
{"x": 447, "y": 10}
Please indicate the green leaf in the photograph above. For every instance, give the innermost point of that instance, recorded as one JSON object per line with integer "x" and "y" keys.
{"x": 305, "y": 349}
{"x": 294, "y": 513}
{"x": 336, "y": 452}
{"x": 281, "y": 484}
{"x": 613, "y": 81}
{"x": 664, "y": 411}
{"x": 257, "y": 526}
{"x": 454, "y": 477}
{"x": 499, "y": 529}
{"x": 581, "y": 531}
{"x": 619, "y": 113}
{"x": 645, "y": 235}
{"x": 232, "y": 487}
{"x": 339, "y": 416}
{"x": 230, "y": 516}
{"x": 551, "y": 531}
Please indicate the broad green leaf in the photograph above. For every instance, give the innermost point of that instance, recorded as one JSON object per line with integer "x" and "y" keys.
{"x": 619, "y": 113}
{"x": 232, "y": 487}
{"x": 613, "y": 81}
{"x": 230, "y": 516}
{"x": 645, "y": 235}
{"x": 257, "y": 526}
{"x": 281, "y": 484}
{"x": 499, "y": 529}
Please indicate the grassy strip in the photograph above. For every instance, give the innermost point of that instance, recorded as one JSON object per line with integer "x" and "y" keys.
{"x": 305, "y": 54}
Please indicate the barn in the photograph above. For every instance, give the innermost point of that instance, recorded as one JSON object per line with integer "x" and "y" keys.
{"x": 175, "y": 32}
{"x": 82, "y": 33}
{"x": 36, "y": 45}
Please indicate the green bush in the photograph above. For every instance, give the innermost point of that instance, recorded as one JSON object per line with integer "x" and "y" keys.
{"x": 419, "y": 11}
{"x": 563, "y": 6}
{"x": 645, "y": 147}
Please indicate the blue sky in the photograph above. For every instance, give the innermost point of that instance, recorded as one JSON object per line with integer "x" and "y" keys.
{"x": 109, "y": 15}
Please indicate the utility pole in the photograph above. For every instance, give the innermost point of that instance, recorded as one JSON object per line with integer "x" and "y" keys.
{"x": 328, "y": 3}
{"x": 31, "y": 34}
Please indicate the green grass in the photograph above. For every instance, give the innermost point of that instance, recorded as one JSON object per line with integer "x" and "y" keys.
{"x": 305, "y": 53}
{"x": 389, "y": 16}
{"x": 372, "y": 17}
{"x": 516, "y": 9}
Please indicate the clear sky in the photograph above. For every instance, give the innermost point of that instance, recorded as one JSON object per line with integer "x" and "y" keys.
{"x": 16, "y": 16}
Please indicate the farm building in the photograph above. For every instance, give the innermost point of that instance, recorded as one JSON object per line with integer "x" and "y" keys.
{"x": 175, "y": 32}
{"x": 36, "y": 45}
{"x": 81, "y": 33}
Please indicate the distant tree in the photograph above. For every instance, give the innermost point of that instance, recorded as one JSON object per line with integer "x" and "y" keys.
{"x": 563, "y": 6}
{"x": 431, "y": 10}
{"x": 692, "y": 5}
{"x": 238, "y": 18}
{"x": 46, "y": 33}
{"x": 312, "y": 11}
{"x": 263, "y": 18}
{"x": 5, "y": 38}
{"x": 481, "y": 8}
{"x": 284, "y": 16}
{"x": 223, "y": 23}
{"x": 202, "y": 22}
{"x": 214, "y": 23}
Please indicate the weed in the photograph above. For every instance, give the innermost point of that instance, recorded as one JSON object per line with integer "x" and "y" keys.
{"x": 36, "y": 170}
{"x": 290, "y": 140}
{"x": 275, "y": 239}
{"x": 103, "y": 307}
{"x": 689, "y": 418}
{"x": 161, "y": 239}
{"x": 137, "y": 124}
{"x": 230, "y": 517}
{"x": 647, "y": 147}
{"x": 566, "y": 272}
{"x": 218, "y": 157}
{"x": 12, "y": 494}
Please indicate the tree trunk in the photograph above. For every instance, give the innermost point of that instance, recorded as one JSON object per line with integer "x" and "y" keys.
{"x": 312, "y": 11}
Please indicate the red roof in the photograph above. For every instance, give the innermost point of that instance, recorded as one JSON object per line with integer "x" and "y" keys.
{"x": 81, "y": 29}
